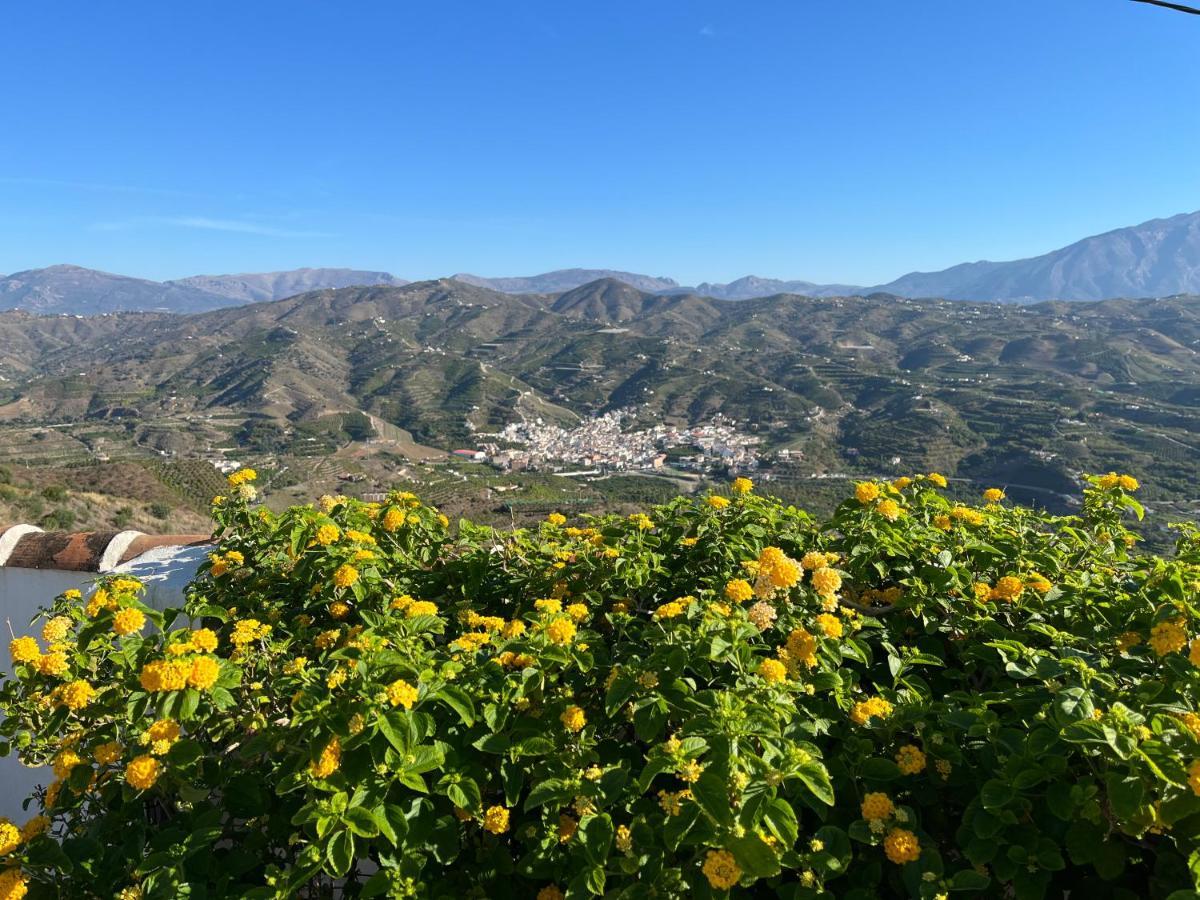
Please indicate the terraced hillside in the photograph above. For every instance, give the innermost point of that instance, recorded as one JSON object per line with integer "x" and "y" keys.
{"x": 1023, "y": 395}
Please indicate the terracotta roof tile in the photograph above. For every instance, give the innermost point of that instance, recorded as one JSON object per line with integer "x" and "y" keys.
{"x": 85, "y": 551}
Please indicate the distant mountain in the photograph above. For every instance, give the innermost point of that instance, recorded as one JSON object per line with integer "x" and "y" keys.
{"x": 752, "y": 286}
{"x": 1159, "y": 258}
{"x": 566, "y": 280}
{"x": 87, "y": 292}
{"x": 258, "y": 287}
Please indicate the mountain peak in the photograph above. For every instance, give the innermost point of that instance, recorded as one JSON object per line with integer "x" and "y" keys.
{"x": 1158, "y": 258}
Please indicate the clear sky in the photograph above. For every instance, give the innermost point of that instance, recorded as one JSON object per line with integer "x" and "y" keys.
{"x": 840, "y": 140}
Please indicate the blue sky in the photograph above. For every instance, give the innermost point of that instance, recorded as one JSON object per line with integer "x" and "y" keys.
{"x": 834, "y": 141}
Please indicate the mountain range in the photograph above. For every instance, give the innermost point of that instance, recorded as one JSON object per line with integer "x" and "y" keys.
{"x": 1158, "y": 258}
{"x": 1009, "y": 394}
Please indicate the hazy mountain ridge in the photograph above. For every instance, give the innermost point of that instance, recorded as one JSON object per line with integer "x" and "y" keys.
{"x": 566, "y": 280}
{"x": 75, "y": 290}
{"x": 1158, "y": 258}
{"x": 264, "y": 286}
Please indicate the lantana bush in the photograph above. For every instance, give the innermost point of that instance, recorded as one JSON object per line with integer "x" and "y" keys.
{"x": 716, "y": 697}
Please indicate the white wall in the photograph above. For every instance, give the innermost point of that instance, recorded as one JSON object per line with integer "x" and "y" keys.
{"x": 166, "y": 571}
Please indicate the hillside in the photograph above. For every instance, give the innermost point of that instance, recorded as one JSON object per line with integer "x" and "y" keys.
{"x": 1023, "y": 395}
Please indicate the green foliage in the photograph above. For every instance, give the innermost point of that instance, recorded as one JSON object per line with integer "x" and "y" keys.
{"x": 721, "y": 697}
{"x": 55, "y": 493}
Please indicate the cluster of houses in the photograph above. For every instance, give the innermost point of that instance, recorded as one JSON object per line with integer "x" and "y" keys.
{"x": 602, "y": 444}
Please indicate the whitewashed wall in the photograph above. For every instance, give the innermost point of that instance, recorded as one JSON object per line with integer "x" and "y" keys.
{"x": 166, "y": 572}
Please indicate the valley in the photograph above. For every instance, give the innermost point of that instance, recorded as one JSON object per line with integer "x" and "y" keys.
{"x": 356, "y": 388}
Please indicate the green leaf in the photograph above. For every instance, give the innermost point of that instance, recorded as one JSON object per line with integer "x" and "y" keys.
{"x": 753, "y": 855}
{"x": 878, "y": 769}
{"x": 596, "y": 835}
{"x": 397, "y": 727}
{"x": 712, "y": 795}
{"x": 339, "y": 854}
{"x": 463, "y": 792}
{"x": 456, "y": 698}
{"x": 969, "y": 880}
{"x": 359, "y": 820}
{"x": 534, "y": 746}
{"x": 780, "y": 819}
{"x": 996, "y": 794}
{"x": 816, "y": 779}
{"x": 1126, "y": 794}
{"x": 243, "y": 796}
{"x": 552, "y": 790}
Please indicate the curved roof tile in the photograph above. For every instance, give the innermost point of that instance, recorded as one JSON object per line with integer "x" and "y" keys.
{"x": 27, "y": 547}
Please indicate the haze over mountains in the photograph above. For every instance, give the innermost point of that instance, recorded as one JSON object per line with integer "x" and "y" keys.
{"x": 1158, "y": 258}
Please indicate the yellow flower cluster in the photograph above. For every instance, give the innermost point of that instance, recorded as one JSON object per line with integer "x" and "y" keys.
{"x": 329, "y": 761}
{"x": 13, "y": 884}
{"x": 739, "y": 590}
{"x": 561, "y": 630}
{"x": 573, "y": 718}
{"x": 128, "y": 621}
{"x": 556, "y": 519}
{"x": 772, "y": 671}
{"x": 420, "y": 608}
{"x": 401, "y": 693}
{"x": 1008, "y": 588}
{"x": 223, "y": 562}
{"x": 826, "y": 581}
{"x": 242, "y": 476}
{"x": 164, "y": 675}
{"x": 889, "y": 509}
{"x": 107, "y": 753}
{"x": 161, "y": 735}
{"x": 75, "y": 695}
{"x": 670, "y": 610}
{"x": 56, "y": 629}
{"x": 1168, "y": 637}
{"x": 495, "y": 819}
{"x": 831, "y": 626}
{"x": 866, "y": 492}
{"x": 910, "y": 759}
{"x": 872, "y": 708}
{"x": 1113, "y": 480}
{"x": 877, "y": 807}
{"x": 966, "y": 514}
{"x": 345, "y": 576}
{"x": 721, "y": 869}
{"x": 742, "y": 486}
{"x": 775, "y": 571}
{"x": 901, "y": 846}
{"x": 801, "y": 648}
{"x": 24, "y": 650}
{"x": 246, "y": 631}
{"x": 142, "y": 772}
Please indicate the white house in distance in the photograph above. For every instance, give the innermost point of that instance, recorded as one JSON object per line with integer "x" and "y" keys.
{"x": 37, "y": 566}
